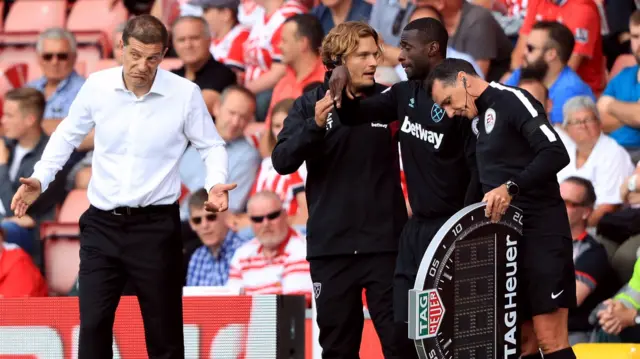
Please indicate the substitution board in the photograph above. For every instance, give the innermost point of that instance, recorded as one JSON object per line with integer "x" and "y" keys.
{"x": 464, "y": 303}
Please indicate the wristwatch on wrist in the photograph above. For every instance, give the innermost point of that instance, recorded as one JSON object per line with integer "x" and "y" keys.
{"x": 636, "y": 320}
{"x": 512, "y": 188}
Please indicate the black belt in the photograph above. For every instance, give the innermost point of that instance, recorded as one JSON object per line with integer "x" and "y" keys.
{"x": 132, "y": 211}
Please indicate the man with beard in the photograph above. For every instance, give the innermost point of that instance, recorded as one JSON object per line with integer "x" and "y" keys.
{"x": 438, "y": 153}
{"x": 549, "y": 47}
{"x": 356, "y": 206}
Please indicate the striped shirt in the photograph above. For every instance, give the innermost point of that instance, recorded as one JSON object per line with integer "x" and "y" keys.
{"x": 229, "y": 50}
{"x": 286, "y": 273}
{"x": 205, "y": 269}
{"x": 261, "y": 49}
{"x": 285, "y": 186}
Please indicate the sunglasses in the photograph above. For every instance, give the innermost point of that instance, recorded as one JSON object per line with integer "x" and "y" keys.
{"x": 62, "y": 56}
{"x": 210, "y": 218}
{"x": 271, "y": 216}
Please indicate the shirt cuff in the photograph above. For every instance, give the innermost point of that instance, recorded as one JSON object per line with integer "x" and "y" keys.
{"x": 44, "y": 178}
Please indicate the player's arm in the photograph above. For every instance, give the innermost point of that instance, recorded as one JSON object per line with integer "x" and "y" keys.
{"x": 379, "y": 108}
{"x": 550, "y": 154}
{"x": 67, "y": 136}
{"x": 355, "y": 110}
{"x": 298, "y": 140}
{"x": 474, "y": 190}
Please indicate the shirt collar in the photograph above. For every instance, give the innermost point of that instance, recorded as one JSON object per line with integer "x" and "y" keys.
{"x": 42, "y": 82}
{"x": 485, "y": 100}
{"x": 158, "y": 87}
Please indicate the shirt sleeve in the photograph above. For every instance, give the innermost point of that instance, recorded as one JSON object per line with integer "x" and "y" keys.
{"x": 235, "y": 58}
{"x": 530, "y": 17}
{"x": 592, "y": 267}
{"x": 234, "y": 283}
{"x": 298, "y": 139}
{"x": 201, "y": 132}
{"x": 296, "y": 278}
{"x": 615, "y": 170}
{"x": 514, "y": 79}
{"x": 550, "y": 156}
{"x": 23, "y": 280}
{"x": 378, "y": 108}
{"x": 482, "y": 42}
{"x": 67, "y": 136}
{"x": 587, "y": 30}
{"x": 274, "y": 48}
{"x": 243, "y": 171}
{"x": 613, "y": 85}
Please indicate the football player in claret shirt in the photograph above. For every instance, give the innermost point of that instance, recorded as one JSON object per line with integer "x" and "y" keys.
{"x": 519, "y": 155}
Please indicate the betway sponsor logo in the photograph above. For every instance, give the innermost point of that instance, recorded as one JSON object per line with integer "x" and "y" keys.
{"x": 416, "y": 130}
{"x": 511, "y": 286}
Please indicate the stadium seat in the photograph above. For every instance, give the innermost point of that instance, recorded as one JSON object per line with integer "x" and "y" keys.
{"x": 61, "y": 262}
{"x": 171, "y": 63}
{"x": 606, "y": 351}
{"x": 13, "y": 55}
{"x": 625, "y": 258}
{"x": 100, "y": 65}
{"x": 74, "y": 206}
{"x": 34, "y": 16}
{"x": 610, "y": 246}
{"x": 623, "y": 61}
{"x": 93, "y": 22}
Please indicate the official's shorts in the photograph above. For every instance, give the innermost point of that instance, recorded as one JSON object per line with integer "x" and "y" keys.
{"x": 547, "y": 275}
{"x": 414, "y": 241}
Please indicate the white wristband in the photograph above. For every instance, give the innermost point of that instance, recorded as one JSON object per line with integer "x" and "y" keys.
{"x": 631, "y": 185}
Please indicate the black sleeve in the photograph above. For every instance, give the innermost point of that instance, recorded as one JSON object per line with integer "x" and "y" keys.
{"x": 592, "y": 267}
{"x": 474, "y": 190}
{"x": 550, "y": 155}
{"x": 298, "y": 140}
{"x": 379, "y": 108}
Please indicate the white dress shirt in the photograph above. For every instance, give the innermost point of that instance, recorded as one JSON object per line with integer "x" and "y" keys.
{"x": 607, "y": 167}
{"x": 138, "y": 142}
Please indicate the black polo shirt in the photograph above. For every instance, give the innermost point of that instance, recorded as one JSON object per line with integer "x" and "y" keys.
{"x": 212, "y": 76}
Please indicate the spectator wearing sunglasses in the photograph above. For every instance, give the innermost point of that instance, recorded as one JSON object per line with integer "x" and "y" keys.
{"x": 274, "y": 262}
{"x": 209, "y": 264}
{"x": 60, "y": 83}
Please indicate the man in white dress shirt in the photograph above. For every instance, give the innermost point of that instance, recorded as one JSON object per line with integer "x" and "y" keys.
{"x": 143, "y": 118}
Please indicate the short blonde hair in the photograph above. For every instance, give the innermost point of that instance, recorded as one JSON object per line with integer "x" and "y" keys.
{"x": 343, "y": 40}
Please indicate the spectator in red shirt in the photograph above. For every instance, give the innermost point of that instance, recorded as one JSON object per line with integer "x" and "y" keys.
{"x": 583, "y": 19}
{"x": 300, "y": 43}
{"x": 228, "y": 35}
{"x": 19, "y": 277}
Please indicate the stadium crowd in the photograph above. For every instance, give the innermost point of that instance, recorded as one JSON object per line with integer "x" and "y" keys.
{"x": 252, "y": 58}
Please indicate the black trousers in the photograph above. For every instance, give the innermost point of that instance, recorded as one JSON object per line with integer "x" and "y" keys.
{"x": 144, "y": 248}
{"x": 338, "y": 282}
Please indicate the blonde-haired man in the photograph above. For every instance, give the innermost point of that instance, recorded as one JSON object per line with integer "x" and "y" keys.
{"x": 352, "y": 239}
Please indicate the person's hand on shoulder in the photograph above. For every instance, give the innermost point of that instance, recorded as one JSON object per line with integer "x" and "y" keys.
{"x": 26, "y": 194}
{"x": 340, "y": 79}
{"x": 219, "y": 197}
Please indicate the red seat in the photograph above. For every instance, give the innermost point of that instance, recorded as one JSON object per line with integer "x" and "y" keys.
{"x": 100, "y": 65}
{"x": 93, "y": 22}
{"x": 74, "y": 206}
{"x": 35, "y": 16}
{"x": 61, "y": 248}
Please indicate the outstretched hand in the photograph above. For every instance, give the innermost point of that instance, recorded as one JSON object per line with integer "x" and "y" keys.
{"x": 340, "y": 79}
{"x": 219, "y": 197}
{"x": 26, "y": 194}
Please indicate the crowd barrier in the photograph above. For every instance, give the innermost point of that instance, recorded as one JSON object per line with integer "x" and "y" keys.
{"x": 221, "y": 327}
